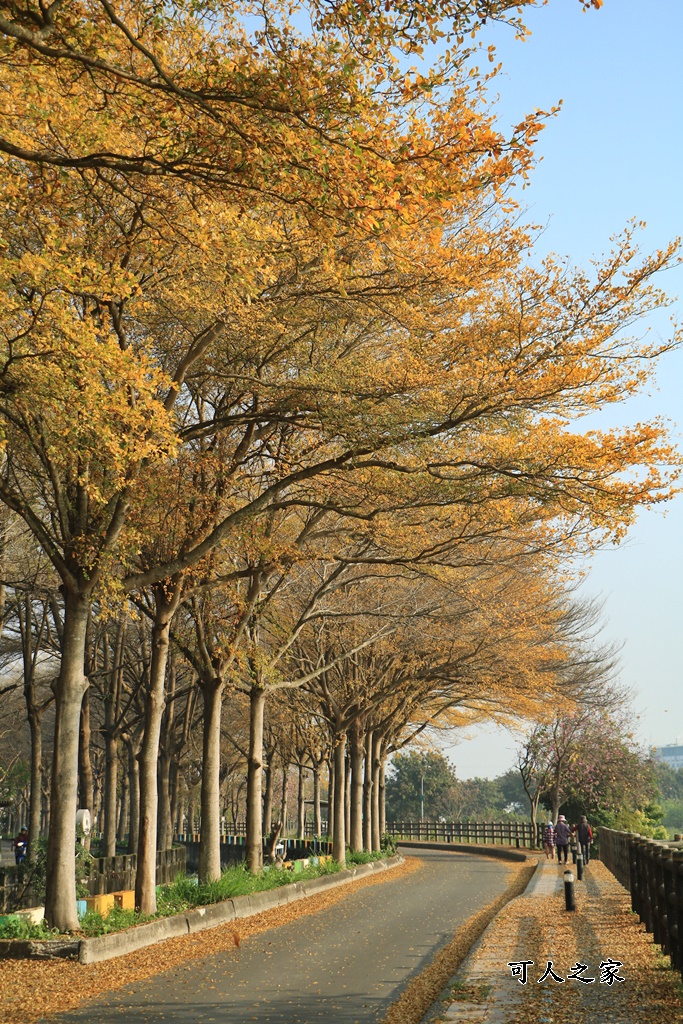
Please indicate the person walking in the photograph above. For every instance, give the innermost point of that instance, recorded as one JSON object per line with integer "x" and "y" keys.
{"x": 562, "y": 834}
{"x": 549, "y": 841}
{"x": 21, "y": 846}
{"x": 584, "y": 834}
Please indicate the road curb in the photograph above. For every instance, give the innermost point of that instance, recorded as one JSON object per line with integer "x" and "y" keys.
{"x": 500, "y": 852}
{"x": 107, "y": 947}
{"x": 104, "y": 947}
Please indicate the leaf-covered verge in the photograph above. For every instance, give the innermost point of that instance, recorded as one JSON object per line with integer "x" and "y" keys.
{"x": 184, "y": 894}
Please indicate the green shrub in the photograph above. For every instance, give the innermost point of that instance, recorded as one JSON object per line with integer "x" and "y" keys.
{"x": 18, "y": 927}
{"x": 363, "y": 857}
{"x": 186, "y": 892}
{"x": 388, "y": 845}
{"x": 93, "y": 923}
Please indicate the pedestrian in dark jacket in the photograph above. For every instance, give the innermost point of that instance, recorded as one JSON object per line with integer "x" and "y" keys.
{"x": 562, "y": 834}
{"x": 21, "y": 846}
{"x": 584, "y": 834}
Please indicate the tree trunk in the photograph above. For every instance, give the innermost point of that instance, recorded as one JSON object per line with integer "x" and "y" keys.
{"x": 175, "y": 793}
{"x": 45, "y": 811}
{"x": 356, "y": 788}
{"x": 347, "y": 797}
{"x": 96, "y": 808}
{"x": 69, "y": 689}
{"x": 145, "y": 878}
{"x": 268, "y": 799}
{"x": 330, "y": 794}
{"x": 86, "y": 795}
{"x": 283, "y": 802}
{"x": 556, "y": 803}
{"x": 301, "y": 804}
{"x": 36, "y": 793}
{"x": 257, "y": 704}
{"x": 367, "y": 793}
{"x": 376, "y": 835}
{"x": 210, "y": 844}
{"x": 382, "y": 796}
{"x": 181, "y": 791}
{"x": 133, "y": 795}
{"x": 339, "y": 825}
{"x": 124, "y": 808}
{"x": 111, "y": 764}
{"x": 164, "y": 799}
{"x": 167, "y": 750}
{"x": 317, "y": 816}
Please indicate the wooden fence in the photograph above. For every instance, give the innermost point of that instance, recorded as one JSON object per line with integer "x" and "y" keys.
{"x": 498, "y": 833}
{"x": 234, "y": 848}
{"x": 15, "y": 893}
{"x": 239, "y": 829}
{"x": 107, "y": 874}
{"x": 653, "y": 873}
{"x": 111, "y": 874}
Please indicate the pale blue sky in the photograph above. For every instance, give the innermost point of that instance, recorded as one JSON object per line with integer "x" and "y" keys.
{"x": 613, "y": 153}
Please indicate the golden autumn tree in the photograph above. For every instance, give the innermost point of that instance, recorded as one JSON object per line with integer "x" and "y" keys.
{"x": 479, "y": 640}
{"x": 162, "y": 291}
{"x": 237, "y": 96}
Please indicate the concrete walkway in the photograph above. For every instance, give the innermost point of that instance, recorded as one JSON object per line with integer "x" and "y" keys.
{"x": 602, "y": 940}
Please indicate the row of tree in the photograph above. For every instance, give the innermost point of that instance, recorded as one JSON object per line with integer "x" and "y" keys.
{"x": 286, "y": 404}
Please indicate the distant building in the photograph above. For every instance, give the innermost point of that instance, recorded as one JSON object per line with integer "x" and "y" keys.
{"x": 671, "y": 754}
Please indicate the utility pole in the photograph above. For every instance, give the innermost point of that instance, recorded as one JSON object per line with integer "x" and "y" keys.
{"x": 422, "y": 797}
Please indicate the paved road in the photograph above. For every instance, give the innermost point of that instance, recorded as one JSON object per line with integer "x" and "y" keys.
{"x": 345, "y": 967}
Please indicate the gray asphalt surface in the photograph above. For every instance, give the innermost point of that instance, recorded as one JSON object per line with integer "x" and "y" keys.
{"x": 345, "y": 967}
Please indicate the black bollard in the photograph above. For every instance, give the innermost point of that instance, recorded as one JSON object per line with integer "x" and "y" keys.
{"x": 569, "y": 891}
{"x": 579, "y": 866}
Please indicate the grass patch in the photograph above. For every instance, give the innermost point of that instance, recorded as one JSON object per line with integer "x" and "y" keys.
{"x": 15, "y": 926}
{"x": 94, "y": 924}
{"x": 363, "y": 857}
{"x": 184, "y": 894}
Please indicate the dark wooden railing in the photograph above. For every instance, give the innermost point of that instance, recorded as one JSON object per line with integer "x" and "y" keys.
{"x": 112, "y": 874}
{"x": 498, "y": 833}
{"x": 233, "y": 848}
{"x": 104, "y": 875}
{"x": 652, "y": 871}
{"x": 239, "y": 828}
